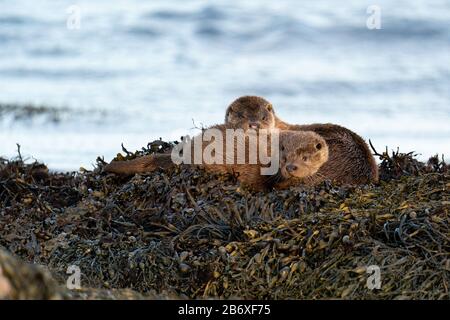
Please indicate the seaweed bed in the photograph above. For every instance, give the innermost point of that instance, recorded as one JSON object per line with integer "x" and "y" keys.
{"x": 187, "y": 234}
{"x": 11, "y": 112}
{"x": 30, "y": 111}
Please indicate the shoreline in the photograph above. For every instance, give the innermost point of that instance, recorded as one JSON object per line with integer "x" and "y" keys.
{"x": 78, "y": 137}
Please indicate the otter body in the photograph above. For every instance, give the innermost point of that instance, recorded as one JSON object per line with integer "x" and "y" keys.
{"x": 350, "y": 160}
{"x": 301, "y": 155}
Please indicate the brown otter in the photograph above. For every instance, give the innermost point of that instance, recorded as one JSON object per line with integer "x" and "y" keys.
{"x": 350, "y": 160}
{"x": 251, "y": 112}
{"x": 301, "y": 155}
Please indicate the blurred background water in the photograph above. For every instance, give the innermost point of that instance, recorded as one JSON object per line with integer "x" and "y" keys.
{"x": 139, "y": 70}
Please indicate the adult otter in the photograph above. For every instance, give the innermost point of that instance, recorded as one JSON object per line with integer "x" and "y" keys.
{"x": 300, "y": 156}
{"x": 350, "y": 160}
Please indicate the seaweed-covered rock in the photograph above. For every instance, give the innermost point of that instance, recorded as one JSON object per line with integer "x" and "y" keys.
{"x": 19, "y": 280}
{"x": 187, "y": 233}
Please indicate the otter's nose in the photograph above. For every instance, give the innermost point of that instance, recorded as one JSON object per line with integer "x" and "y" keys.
{"x": 253, "y": 125}
{"x": 291, "y": 168}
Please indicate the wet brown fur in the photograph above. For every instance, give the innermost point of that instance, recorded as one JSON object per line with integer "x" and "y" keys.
{"x": 350, "y": 160}
{"x": 298, "y": 145}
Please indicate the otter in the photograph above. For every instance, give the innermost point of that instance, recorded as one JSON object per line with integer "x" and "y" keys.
{"x": 350, "y": 160}
{"x": 301, "y": 154}
{"x": 251, "y": 112}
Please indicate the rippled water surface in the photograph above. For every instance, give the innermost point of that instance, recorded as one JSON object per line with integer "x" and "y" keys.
{"x": 140, "y": 70}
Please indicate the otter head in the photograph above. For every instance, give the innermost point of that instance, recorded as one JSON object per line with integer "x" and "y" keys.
{"x": 250, "y": 112}
{"x": 302, "y": 153}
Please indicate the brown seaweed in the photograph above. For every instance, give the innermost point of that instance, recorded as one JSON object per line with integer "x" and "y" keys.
{"x": 188, "y": 233}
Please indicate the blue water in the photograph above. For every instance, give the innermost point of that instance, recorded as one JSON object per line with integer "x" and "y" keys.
{"x": 140, "y": 70}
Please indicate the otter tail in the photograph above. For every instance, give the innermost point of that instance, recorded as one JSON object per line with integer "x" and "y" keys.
{"x": 140, "y": 165}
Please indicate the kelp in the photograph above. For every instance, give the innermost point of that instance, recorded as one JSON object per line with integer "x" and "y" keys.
{"x": 20, "y": 280}
{"x": 18, "y": 112}
{"x": 187, "y": 233}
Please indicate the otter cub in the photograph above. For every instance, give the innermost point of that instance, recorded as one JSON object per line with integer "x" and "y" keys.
{"x": 298, "y": 155}
{"x": 350, "y": 160}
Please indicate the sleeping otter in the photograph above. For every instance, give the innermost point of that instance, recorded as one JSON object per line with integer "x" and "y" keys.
{"x": 350, "y": 160}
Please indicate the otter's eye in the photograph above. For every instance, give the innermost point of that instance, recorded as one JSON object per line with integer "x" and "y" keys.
{"x": 264, "y": 118}
{"x": 284, "y": 159}
{"x": 240, "y": 115}
{"x": 305, "y": 158}
{"x": 318, "y": 146}
{"x": 282, "y": 148}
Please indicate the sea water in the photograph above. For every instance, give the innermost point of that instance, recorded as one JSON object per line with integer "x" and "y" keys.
{"x": 134, "y": 71}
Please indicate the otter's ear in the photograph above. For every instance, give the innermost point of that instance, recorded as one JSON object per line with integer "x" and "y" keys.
{"x": 269, "y": 107}
{"x": 231, "y": 108}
